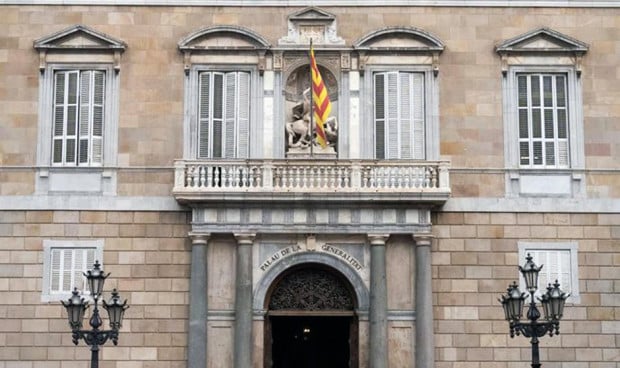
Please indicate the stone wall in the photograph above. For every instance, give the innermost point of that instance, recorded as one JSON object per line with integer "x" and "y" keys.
{"x": 151, "y": 82}
{"x": 475, "y": 257}
{"x": 148, "y": 255}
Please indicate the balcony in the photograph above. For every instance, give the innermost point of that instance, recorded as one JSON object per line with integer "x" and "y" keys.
{"x": 284, "y": 180}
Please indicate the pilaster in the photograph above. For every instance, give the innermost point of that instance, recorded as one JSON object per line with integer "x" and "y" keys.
{"x": 243, "y": 302}
{"x": 378, "y": 301}
{"x": 197, "y": 333}
{"x": 424, "y": 355}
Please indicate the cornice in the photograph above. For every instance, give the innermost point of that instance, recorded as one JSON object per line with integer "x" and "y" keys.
{"x": 329, "y": 3}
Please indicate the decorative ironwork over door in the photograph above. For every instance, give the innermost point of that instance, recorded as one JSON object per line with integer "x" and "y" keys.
{"x": 311, "y": 289}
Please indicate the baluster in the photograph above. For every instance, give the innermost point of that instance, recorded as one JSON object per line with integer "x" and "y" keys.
{"x": 429, "y": 173}
{"x": 201, "y": 176}
{"x": 188, "y": 176}
{"x": 339, "y": 178}
{"x": 257, "y": 177}
{"x": 406, "y": 181}
{"x": 217, "y": 175}
{"x": 195, "y": 177}
{"x": 289, "y": 177}
{"x": 366, "y": 172}
{"x": 235, "y": 175}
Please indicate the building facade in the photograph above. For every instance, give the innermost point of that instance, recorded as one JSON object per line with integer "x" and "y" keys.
{"x": 174, "y": 143}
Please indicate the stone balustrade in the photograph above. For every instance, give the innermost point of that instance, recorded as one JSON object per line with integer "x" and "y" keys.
{"x": 210, "y": 177}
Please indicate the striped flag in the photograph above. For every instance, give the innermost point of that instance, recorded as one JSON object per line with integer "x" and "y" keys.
{"x": 322, "y": 105}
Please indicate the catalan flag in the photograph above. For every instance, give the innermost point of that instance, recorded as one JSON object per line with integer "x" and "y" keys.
{"x": 321, "y": 104}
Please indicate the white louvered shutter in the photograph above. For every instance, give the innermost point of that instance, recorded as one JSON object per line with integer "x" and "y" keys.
{"x": 230, "y": 117}
{"x": 405, "y": 116}
{"x": 392, "y": 137}
{"x": 419, "y": 136}
{"x": 86, "y": 114}
{"x": 64, "y": 146}
{"x": 67, "y": 268}
{"x": 556, "y": 266}
{"x": 399, "y": 115}
{"x": 218, "y": 116}
{"x": 79, "y": 101}
{"x": 204, "y": 114}
{"x": 98, "y": 113}
{"x": 243, "y": 113}
{"x": 379, "y": 115}
{"x": 60, "y": 114}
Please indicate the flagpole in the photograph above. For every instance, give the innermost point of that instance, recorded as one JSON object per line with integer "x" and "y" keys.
{"x": 311, "y": 106}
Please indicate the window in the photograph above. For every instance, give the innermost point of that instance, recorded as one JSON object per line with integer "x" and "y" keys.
{"x": 543, "y": 114}
{"x": 79, "y": 97}
{"x": 224, "y": 74}
{"x": 78, "y": 112}
{"x": 64, "y": 264}
{"x": 559, "y": 262}
{"x": 398, "y": 106}
{"x": 543, "y": 120}
{"x": 399, "y": 115}
{"x": 224, "y": 114}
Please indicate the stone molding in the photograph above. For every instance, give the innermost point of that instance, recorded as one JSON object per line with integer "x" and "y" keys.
{"x": 361, "y": 3}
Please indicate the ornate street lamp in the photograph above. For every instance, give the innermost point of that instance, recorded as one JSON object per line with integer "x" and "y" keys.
{"x": 553, "y": 306}
{"x": 76, "y": 306}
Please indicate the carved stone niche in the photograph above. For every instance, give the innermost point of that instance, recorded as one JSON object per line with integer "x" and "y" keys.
{"x": 311, "y": 24}
{"x": 296, "y": 94}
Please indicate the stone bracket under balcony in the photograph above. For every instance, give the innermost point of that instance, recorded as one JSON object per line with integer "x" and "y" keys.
{"x": 327, "y": 181}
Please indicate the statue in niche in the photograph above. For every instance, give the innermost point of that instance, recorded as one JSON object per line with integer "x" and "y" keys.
{"x": 298, "y": 130}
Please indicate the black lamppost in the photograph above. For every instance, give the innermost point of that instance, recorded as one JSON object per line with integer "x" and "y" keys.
{"x": 76, "y": 306}
{"x": 553, "y": 306}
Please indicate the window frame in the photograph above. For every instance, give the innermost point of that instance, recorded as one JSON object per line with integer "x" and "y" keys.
{"x": 102, "y": 175}
{"x": 79, "y": 105}
{"x": 570, "y": 247}
{"x": 192, "y": 93}
{"x": 431, "y": 108}
{"x": 48, "y": 246}
{"x": 517, "y": 176}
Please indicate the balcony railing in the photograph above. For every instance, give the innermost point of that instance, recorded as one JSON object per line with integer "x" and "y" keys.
{"x": 209, "y": 179}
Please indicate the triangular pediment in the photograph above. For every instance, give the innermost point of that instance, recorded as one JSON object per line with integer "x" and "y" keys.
{"x": 399, "y": 38}
{"x": 79, "y": 37}
{"x": 312, "y": 14}
{"x": 542, "y": 40}
{"x": 223, "y": 38}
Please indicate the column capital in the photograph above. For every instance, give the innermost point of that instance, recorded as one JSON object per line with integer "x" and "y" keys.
{"x": 423, "y": 239}
{"x": 199, "y": 238}
{"x": 378, "y": 239}
{"x": 245, "y": 238}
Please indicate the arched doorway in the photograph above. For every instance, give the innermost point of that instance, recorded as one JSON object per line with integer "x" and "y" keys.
{"x": 311, "y": 321}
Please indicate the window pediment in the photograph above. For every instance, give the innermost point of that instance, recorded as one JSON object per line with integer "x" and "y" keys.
{"x": 542, "y": 40}
{"x": 399, "y": 39}
{"x": 542, "y": 46}
{"x": 79, "y": 44}
{"x": 79, "y": 37}
{"x": 390, "y": 43}
{"x": 232, "y": 38}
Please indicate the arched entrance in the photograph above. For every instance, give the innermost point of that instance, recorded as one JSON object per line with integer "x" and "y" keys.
{"x": 311, "y": 321}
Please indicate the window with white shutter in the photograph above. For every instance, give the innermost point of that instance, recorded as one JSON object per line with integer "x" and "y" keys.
{"x": 543, "y": 120}
{"x": 79, "y": 101}
{"x": 399, "y": 115}
{"x": 224, "y": 114}
{"x": 559, "y": 262}
{"x": 64, "y": 265}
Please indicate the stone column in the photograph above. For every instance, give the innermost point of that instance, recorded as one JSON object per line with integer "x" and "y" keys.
{"x": 243, "y": 302}
{"x": 424, "y": 351}
{"x": 378, "y": 302}
{"x": 197, "y": 334}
